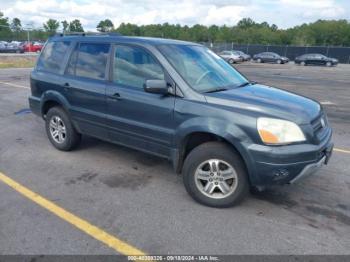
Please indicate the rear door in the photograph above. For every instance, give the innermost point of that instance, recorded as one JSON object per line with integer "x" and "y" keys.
{"x": 225, "y": 55}
{"x": 313, "y": 60}
{"x": 136, "y": 118}
{"x": 85, "y": 87}
{"x": 321, "y": 60}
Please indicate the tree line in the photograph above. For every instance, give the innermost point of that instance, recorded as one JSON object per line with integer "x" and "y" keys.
{"x": 246, "y": 31}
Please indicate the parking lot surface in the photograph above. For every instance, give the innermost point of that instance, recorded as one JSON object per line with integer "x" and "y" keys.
{"x": 139, "y": 199}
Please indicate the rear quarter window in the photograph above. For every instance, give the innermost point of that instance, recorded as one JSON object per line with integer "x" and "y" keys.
{"x": 52, "y": 57}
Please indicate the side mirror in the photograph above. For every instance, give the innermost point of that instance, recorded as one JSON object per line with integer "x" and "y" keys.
{"x": 156, "y": 87}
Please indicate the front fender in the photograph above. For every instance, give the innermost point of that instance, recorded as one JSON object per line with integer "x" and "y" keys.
{"x": 230, "y": 132}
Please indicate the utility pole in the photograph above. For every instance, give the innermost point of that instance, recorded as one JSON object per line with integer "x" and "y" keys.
{"x": 29, "y": 26}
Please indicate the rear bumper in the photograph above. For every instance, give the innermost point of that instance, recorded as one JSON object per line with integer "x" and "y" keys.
{"x": 34, "y": 105}
{"x": 287, "y": 164}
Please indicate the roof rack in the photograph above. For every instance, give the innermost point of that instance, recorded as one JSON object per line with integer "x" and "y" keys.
{"x": 89, "y": 33}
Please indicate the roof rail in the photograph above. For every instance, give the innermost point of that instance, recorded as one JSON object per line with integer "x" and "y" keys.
{"x": 89, "y": 33}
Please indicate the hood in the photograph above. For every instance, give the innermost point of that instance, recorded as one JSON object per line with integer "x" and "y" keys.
{"x": 268, "y": 101}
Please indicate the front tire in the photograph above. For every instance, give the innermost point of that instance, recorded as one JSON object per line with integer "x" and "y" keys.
{"x": 303, "y": 63}
{"x": 214, "y": 175}
{"x": 259, "y": 60}
{"x": 279, "y": 61}
{"x": 231, "y": 61}
{"x": 60, "y": 130}
{"x": 328, "y": 64}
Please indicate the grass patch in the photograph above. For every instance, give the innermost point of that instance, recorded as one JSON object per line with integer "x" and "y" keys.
{"x": 17, "y": 61}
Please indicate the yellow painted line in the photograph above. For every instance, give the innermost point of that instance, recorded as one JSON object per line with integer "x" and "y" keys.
{"x": 342, "y": 150}
{"x": 15, "y": 85}
{"x": 95, "y": 232}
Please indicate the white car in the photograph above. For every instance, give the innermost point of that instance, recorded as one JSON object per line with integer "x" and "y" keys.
{"x": 231, "y": 56}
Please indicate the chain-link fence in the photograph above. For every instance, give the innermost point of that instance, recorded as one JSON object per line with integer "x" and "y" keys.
{"x": 340, "y": 53}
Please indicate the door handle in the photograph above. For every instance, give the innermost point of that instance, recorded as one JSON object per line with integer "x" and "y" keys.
{"x": 115, "y": 96}
{"x": 66, "y": 86}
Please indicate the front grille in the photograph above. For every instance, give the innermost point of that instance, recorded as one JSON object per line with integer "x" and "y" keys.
{"x": 319, "y": 125}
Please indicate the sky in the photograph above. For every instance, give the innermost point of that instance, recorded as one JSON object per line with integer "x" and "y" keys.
{"x": 283, "y": 13}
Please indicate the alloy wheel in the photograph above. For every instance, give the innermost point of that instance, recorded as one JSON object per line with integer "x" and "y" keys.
{"x": 216, "y": 178}
{"x": 57, "y": 129}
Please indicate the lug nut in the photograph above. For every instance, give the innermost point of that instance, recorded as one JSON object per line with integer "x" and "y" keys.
{"x": 216, "y": 183}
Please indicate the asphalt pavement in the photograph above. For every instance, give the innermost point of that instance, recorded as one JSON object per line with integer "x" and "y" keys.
{"x": 137, "y": 198}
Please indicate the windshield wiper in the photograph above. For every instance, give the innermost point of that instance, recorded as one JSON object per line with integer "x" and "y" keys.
{"x": 216, "y": 90}
{"x": 246, "y": 83}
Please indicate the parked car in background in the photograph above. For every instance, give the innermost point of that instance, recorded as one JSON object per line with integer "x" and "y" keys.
{"x": 231, "y": 56}
{"x": 33, "y": 46}
{"x": 270, "y": 57}
{"x": 244, "y": 56}
{"x": 10, "y": 48}
{"x": 315, "y": 59}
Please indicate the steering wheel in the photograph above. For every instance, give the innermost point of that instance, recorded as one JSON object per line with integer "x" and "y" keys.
{"x": 202, "y": 77}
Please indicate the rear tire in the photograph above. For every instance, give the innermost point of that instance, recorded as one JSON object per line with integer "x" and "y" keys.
{"x": 60, "y": 130}
{"x": 225, "y": 187}
{"x": 231, "y": 61}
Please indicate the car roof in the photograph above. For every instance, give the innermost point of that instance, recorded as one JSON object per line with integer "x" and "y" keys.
{"x": 121, "y": 39}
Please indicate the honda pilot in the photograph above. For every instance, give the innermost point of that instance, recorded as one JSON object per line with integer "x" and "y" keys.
{"x": 179, "y": 101}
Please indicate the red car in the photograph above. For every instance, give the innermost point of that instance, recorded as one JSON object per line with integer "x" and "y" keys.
{"x": 32, "y": 46}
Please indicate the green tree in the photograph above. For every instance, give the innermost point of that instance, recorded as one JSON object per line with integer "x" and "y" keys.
{"x": 5, "y": 32}
{"x": 105, "y": 26}
{"x": 130, "y": 29}
{"x": 51, "y": 26}
{"x": 65, "y": 25}
{"x": 16, "y": 25}
{"x": 76, "y": 26}
{"x": 246, "y": 23}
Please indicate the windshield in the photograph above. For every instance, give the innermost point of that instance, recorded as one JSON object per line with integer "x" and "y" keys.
{"x": 202, "y": 69}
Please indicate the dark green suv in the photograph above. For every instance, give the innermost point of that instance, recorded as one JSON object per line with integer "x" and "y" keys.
{"x": 180, "y": 101}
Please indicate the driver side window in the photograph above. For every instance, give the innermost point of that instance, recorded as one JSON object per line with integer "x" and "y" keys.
{"x": 133, "y": 66}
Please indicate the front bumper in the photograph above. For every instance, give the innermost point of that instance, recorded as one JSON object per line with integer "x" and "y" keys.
{"x": 287, "y": 164}
{"x": 309, "y": 170}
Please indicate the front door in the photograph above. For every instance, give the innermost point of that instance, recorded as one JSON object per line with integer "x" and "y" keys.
{"x": 136, "y": 118}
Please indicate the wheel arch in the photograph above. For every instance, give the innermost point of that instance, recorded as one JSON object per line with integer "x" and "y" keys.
{"x": 53, "y": 98}
{"x": 192, "y": 137}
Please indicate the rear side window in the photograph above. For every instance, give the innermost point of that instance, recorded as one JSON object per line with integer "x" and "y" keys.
{"x": 89, "y": 60}
{"x": 52, "y": 57}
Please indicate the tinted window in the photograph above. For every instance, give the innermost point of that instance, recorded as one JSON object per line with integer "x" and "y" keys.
{"x": 52, "y": 57}
{"x": 89, "y": 60}
{"x": 319, "y": 56}
{"x": 133, "y": 66}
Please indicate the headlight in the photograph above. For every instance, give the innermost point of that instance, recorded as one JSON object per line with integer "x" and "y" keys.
{"x": 277, "y": 131}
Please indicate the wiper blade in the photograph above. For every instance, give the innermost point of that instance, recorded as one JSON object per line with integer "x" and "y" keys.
{"x": 246, "y": 83}
{"x": 216, "y": 90}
